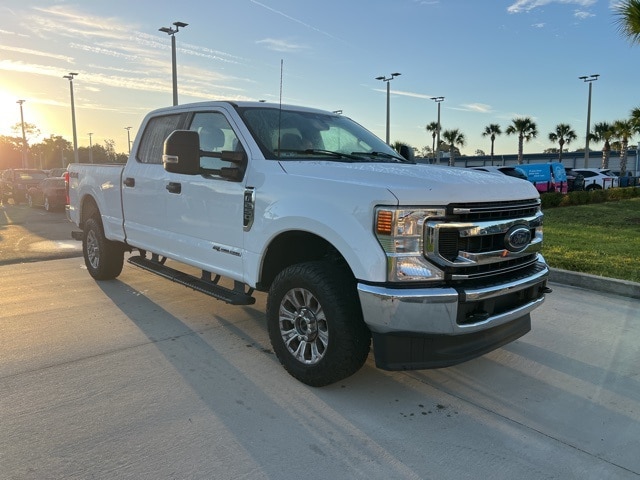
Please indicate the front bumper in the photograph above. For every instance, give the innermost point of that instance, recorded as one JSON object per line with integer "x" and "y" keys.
{"x": 437, "y": 327}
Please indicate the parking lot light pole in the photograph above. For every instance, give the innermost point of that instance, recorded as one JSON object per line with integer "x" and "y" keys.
{"x": 589, "y": 79}
{"x": 24, "y": 138}
{"x": 174, "y": 73}
{"x": 438, "y": 101}
{"x": 73, "y": 116}
{"x": 90, "y": 148}
{"x": 128, "y": 138}
{"x": 387, "y": 80}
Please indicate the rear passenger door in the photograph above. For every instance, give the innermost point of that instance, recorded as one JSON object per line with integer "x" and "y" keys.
{"x": 144, "y": 193}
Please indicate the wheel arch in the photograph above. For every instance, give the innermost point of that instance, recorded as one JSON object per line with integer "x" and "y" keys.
{"x": 291, "y": 247}
{"x": 88, "y": 208}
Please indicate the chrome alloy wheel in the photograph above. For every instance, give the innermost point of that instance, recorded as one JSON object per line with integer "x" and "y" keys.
{"x": 93, "y": 249}
{"x": 303, "y": 326}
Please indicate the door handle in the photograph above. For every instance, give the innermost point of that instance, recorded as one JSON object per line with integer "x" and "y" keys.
{"x": 174, "y": 187}
{"x": 129, "y": 182}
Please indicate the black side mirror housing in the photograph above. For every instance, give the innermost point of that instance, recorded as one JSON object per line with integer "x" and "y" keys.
{"x": 407, "y": 152}
{"x": 181, "y": 152}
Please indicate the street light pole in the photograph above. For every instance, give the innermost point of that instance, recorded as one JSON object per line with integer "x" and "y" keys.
{"x": 438, "y": 101}
{"x": 90, "y": 148}
{"x": 174, "y": 72}
{"x": 589, "y": 79}
{"x": 387, "y": 80}
{"x": 128, "y": 138}
{"x": 73, "y": 116}
{"x": 24, "y": 138}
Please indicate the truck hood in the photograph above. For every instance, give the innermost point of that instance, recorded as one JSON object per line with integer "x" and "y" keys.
{"x": 418, "y": 184}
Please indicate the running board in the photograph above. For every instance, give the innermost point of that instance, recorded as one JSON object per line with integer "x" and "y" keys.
{"x": 235, "y": 296}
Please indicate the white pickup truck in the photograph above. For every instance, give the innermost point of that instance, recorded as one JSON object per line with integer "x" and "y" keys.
{"x": 352, "y": 241}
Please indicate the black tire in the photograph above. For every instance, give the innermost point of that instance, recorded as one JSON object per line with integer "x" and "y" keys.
{"x": 103, "y": 258}
{"x": 315, "y": 307}
{"x": 47, "y": 206}
{"x": 593, "y": 186}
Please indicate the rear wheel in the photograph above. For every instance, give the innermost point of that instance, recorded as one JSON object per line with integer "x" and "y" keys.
{"x": 315, "y": 323}
{"x": 593, "y": 186}
{"x": 30, "y": 201}
{"x": 47, "y": 205}
{"x": 103, "y": 258}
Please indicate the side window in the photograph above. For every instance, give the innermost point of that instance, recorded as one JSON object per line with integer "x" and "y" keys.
{"x": 216, "y": 136}
{"x": 152, "y": 142}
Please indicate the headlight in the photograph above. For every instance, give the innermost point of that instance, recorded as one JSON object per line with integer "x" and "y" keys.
{"x": 400, "y": 233}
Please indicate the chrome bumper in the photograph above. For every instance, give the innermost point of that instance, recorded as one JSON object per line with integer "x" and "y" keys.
{"x": 438, "y": 311}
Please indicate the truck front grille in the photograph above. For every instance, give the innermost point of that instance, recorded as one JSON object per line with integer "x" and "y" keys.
{"x": 477, "y": 240}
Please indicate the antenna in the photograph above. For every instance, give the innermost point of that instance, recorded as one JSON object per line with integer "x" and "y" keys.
{"x": 280, "y": 108}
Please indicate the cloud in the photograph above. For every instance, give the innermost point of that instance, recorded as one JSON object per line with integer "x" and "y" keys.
{"x": 477, "y": 107}
{"x": 280, "y": 45}
{"x": 404, "y": 94}
{"x": 28, "y": 51}
{"x": 582, "y": 14}
{"x": 521, "y": 6}
{"x": 311, "y": 27}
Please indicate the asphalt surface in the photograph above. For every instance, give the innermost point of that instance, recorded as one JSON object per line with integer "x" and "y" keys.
{"x": 140, "y": 378}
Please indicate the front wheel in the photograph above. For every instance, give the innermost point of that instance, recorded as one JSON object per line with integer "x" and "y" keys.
{"x": 315, "y": 323}
{"x": 103, "y": 258}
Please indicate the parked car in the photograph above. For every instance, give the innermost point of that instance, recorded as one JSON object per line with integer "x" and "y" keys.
{"x": 50, "y": 193}
{"x": 547, "y": 177}
{"x": 504, "y": 169}
{"x": 598, "y": 178}
{"x": 575, "y": 180}
{"x": 57, "y": 172}
{"x": 16, "y": 182}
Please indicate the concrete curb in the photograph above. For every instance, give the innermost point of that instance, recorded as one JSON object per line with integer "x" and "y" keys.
{"x": 594, "y": 282}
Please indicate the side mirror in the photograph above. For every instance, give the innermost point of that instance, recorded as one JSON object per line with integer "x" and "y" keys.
{"x": 407, "y": 152}
{"x": 181, "y": 152}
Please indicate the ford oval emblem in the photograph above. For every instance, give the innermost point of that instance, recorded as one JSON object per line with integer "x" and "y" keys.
{"x": 517, "y": 238}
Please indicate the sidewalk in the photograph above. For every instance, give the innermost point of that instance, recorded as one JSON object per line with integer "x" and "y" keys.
{"x": 594, "y": 282}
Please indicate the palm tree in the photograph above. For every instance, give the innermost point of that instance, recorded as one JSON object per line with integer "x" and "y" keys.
{"x": 603, "y": 132}
{"x": 563, "y": 135}
{"x": 624, "y": 130}
{"x": 454, "y": 138}
{"x": 433, "y": 128}
{"x": 491, "y": 131}
{"x": 628, "y": 19}
{"x": 526, "y": 130}
{"x": 635, "y": 118}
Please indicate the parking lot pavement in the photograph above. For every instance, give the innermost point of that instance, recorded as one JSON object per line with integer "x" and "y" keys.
{"x": 144, "y": 379}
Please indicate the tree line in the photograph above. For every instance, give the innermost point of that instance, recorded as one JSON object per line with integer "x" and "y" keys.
{"x": 51, "y": 152}
{"x": 615, "y": 134}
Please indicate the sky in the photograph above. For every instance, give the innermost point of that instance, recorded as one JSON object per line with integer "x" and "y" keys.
{"x": 491, "y": 60}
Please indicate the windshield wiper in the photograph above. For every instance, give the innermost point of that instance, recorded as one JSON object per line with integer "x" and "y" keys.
{"x": 382, "y": 155}
{"x": 324, "y": 153}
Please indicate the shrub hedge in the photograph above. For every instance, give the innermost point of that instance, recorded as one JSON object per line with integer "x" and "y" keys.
{"x": 551, "y": 200}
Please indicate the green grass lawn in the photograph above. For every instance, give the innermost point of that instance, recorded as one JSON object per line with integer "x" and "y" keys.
{"x": 601, "y": 239}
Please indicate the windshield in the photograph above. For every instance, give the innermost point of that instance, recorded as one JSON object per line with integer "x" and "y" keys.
{"x": 288, "y": 134}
